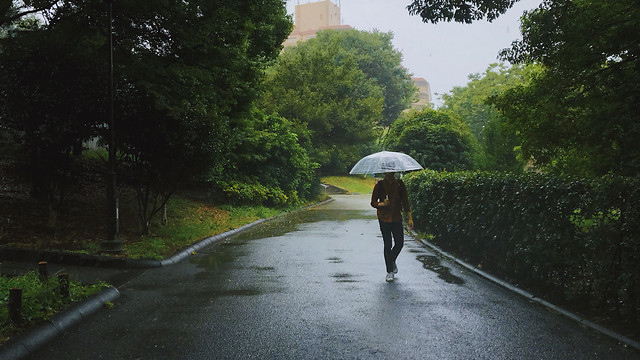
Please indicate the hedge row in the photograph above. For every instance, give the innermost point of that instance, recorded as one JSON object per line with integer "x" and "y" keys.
{"x": 572, "y": 240}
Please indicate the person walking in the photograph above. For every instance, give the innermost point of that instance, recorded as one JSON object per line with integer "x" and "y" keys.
{"x": 389, "y": 197}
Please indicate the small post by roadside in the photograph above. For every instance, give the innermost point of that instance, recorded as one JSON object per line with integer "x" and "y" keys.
{"x": 15, "y": 305}
{"x": 43, "y": 271}
{"x": 63, "y": 285}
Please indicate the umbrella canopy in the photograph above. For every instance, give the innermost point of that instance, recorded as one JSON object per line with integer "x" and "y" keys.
{"x": 384, "y": 162}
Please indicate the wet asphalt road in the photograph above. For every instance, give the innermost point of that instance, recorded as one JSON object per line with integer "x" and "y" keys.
{"x": 311, "y": 286}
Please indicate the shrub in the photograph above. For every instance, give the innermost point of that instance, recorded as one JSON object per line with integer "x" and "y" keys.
{"x": 575, "y": 240}
{"x": 40, "y": 300}
{"x": 267, "y": 165}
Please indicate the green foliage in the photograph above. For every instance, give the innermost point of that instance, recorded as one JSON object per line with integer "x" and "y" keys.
{"x": 190, "y": 221}
{"x": 176, "y": 118}
{"x": 463, "y": 11}
{"x": 337, "y": 89}
{"x": 498, "y": 143}
{"x": 184, "y": 72}
{"x": 580, "y": 115}
{"x": 575, "y": 240}
{"x": 40, "y": 300}
{"x": 267, "y": 165}
{"x": 378, "y": 60}
{"x": 437, "y": 139}
{"x": 49, "y": 119}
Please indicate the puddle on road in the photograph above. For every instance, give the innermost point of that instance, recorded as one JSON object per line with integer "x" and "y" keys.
{"x": 220, "y": 255}
{"x": 433, "y": 263}
{"x": 335, "y": 260}
{"x": 344, "y": 278}
{"x": 237, "y": 292}
{"x": 263, "y": 268}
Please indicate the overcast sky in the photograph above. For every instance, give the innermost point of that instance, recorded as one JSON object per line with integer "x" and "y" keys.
{"x": 444, "y": 54}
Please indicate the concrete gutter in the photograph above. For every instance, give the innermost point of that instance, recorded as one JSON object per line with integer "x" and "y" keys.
{"x": 22, "y": 346}
{"x": 531, "y": 297}
{"x": 114, "y": 262}
{"x": 68, "y": 258}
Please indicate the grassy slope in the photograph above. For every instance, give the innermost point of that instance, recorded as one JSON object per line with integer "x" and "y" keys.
{"x": 81, "y": 224}
{"x": 353, "y": 184}
{"x": 190, "y": 221}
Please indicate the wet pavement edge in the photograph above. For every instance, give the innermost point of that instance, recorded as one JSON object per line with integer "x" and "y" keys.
{"x": 593, "y": 326}
{"x": 23, "y": 345}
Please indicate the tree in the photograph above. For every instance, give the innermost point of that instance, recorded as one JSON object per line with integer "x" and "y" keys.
{"x": 378, "y": 60}
{"x": 185, "y": 73}
{"x": 334, "y": 89}
{"x": 193, "y": 70}
{"x": 15, "y": 11}
{"x": 464, "y": 11}
{"x": 486, "y": 123}
{"x": 48, "y": 117}
{"x": 581, "y": 113}
{"x": 437, "y": 139}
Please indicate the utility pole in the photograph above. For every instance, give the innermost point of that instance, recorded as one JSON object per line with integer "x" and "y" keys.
{"x": 111, "y": 244}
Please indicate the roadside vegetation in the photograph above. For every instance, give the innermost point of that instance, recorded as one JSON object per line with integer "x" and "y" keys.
{"x": 191, "y": 215}
{"x": 40, "y": 300}
{"x": 191, "y": 221}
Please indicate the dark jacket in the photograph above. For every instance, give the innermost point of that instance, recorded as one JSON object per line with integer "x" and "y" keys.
{"x": 397, "y": 193}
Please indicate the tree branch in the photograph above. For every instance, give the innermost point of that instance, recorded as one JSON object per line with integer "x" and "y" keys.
{"x": 9, "y": 19}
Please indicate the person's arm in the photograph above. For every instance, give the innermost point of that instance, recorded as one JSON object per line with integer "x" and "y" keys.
{"x": 375, "y": 200}
{"x": 410, "y": 220}
{"x": 374, "y": 197}
{"x": 405, "y": 204}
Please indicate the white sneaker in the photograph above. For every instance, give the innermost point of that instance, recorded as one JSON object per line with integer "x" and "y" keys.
{"x": 390, "y": 277}
{"x": 395, "y": 268}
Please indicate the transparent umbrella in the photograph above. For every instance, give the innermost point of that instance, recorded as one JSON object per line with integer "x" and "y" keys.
{"x": 384, "y": 162}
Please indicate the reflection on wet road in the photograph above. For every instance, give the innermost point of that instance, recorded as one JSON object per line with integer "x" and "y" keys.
{"x": 433, "y": 263}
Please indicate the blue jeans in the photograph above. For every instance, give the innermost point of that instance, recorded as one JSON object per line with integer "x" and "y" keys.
{"x": 391, "y": 252}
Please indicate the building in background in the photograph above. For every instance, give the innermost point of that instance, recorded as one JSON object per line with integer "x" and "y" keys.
{"x": 313, "y": 17}
{"x": 423, "y": 95}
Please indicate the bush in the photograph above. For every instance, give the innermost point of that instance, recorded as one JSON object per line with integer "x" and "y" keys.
{"x": 267, "y": 165}
{"x": 40, "y": 300}
{"x": 575, "y": 240}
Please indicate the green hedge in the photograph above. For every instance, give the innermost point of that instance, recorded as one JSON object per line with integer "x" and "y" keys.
{"x": 574, "y": 241}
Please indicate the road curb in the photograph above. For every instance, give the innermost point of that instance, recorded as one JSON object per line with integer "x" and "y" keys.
{"x": 531, "y": 297}
{"x": 22, "y": 346}
{"x": 212, "y": 240}
{"x": 68, "y": 258}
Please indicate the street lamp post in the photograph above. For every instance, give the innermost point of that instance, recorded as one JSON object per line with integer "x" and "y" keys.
{"x": 112, "y": 244}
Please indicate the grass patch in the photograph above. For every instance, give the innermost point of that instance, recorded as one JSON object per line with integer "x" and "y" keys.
{"x": 353, "y": 184}
{"x": 40, "y": 300}
{"x": 190, "y": 221}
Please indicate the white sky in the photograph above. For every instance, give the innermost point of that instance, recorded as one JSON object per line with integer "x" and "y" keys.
{"x": 444, "y": 54}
